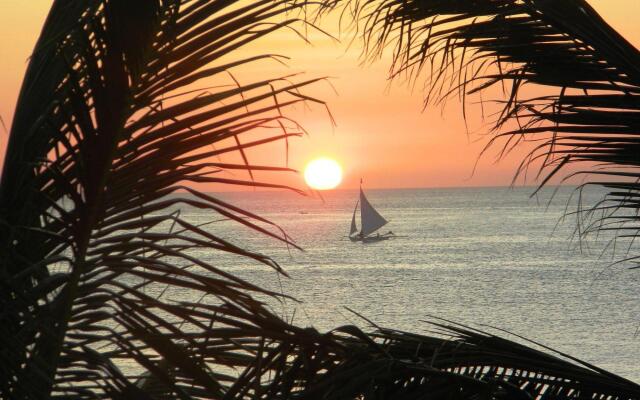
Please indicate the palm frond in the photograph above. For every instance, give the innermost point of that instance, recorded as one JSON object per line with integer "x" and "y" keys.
{"x": 571, "y": 84}
{"x": 451, "y": 361}
{"x": 108, "y": 136}
{"x": 110, "y": 131}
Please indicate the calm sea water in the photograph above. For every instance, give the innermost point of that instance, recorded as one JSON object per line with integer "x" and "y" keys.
{"x": 489, "y": 256}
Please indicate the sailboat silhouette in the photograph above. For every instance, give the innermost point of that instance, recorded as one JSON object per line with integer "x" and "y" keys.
{"x": 370, "y": 221}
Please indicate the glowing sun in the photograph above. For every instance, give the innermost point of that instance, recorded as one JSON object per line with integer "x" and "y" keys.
{"x": 323, "y": 174}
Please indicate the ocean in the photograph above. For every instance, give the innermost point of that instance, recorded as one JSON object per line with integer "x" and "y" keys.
{"x": 485, "y": 257}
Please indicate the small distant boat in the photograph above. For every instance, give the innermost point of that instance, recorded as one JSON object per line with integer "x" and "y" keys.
{"x": 370, "y": 221}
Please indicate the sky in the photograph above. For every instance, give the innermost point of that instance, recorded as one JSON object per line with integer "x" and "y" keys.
{"x": 382, "y": 133}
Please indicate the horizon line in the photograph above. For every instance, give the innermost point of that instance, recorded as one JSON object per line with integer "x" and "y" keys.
{"x": 307, "y": 189}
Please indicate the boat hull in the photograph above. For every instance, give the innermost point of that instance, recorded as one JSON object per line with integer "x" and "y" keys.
{"x": 370, "y": 239}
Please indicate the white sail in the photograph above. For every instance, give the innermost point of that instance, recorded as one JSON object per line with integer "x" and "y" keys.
{"x": 354, "y": 228}
{"x": 371, "y": 220}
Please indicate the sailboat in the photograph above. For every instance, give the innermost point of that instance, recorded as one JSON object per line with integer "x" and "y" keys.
{"x": 370, "y": 221}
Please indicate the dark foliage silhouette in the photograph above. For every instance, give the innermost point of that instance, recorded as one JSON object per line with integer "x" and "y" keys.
{"x": 111, "y": 132}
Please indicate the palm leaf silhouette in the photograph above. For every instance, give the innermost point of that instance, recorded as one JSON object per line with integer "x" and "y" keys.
{"x": 110, "y": 130}
{"x": 452, "y": 361}
{"x": 107, "y": 137}
{"x": 571, "y": 84}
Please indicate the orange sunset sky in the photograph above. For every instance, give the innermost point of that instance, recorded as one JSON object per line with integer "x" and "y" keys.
{"x": 381, "y": 134}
